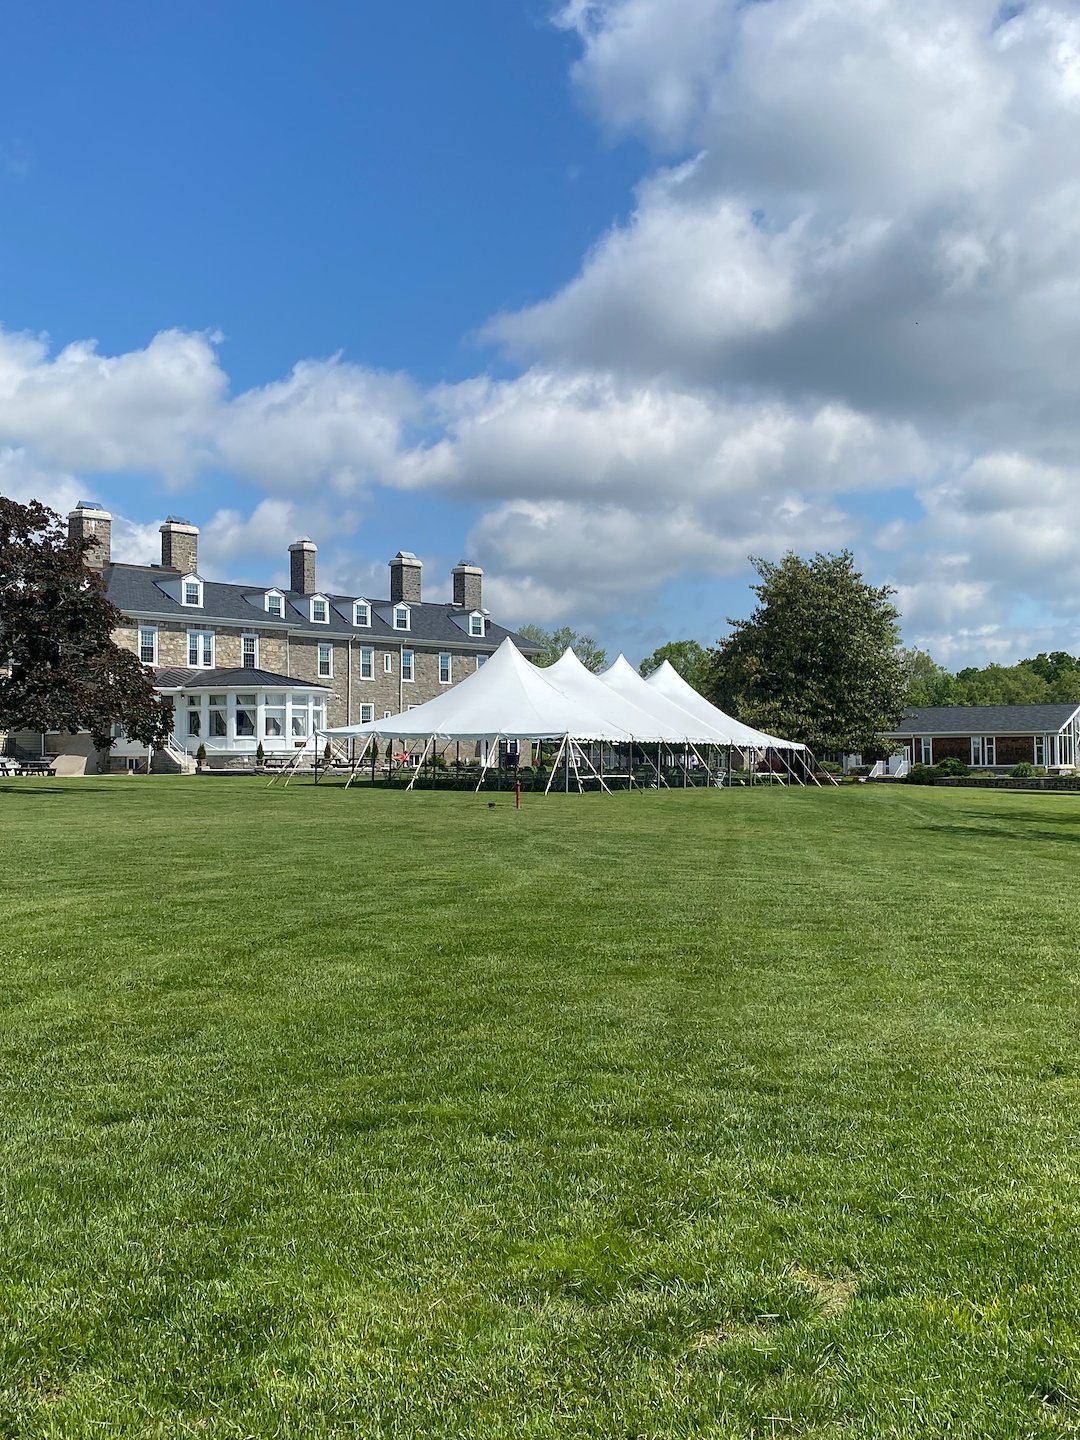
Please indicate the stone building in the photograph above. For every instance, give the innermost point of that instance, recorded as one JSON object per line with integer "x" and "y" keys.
{"x": 251, "y": 664}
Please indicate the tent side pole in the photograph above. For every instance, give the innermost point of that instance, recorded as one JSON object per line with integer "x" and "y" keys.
{"x": 357, "y": 760}
{"x": 420, "y": 767}
{"x": 555, "y": 764}
{"x": 487, "y": 760}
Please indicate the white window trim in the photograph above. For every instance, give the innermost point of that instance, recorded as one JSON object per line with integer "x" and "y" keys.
{"x": 202, "y": 665}
{"x": 408, "y": 617}
{"x": 362, "y": 624}
{"x": 474, "y": 616}
{"x": 148, "y": 630}
{"x": 185, "y": 581}
{"x": 387, "y": 663}
{"x": 481, "y": 661}
{"x": 325, "y": 603}
{"x": 369, "y": 716}
{"x": 324, "y": 674}
{"x": 370, "y": 653}
{"x": 274, "y": 595}
{"x": 410, "y": 678}
{"x": 448, "y": 657}
{"x": 243, "y": 641}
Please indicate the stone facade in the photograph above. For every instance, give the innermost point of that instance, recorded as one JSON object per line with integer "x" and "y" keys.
{"x": 369, "y": 659}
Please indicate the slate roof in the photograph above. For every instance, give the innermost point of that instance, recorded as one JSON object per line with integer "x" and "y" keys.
{"x": 180, "y": 678}
{"x": 134, "y": 590}
{"x": 985, "y": 720}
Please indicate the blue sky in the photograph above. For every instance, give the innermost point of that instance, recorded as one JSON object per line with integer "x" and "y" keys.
{"x": 606, "y": 295}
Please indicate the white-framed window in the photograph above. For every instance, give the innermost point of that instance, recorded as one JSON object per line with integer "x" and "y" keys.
{"x": 246, "y": 716}
{"x": 407, "y": 672}
{"x": 249, "y": 652}
{"x": 299, "y": 721}
{"x": 200, "y": 649}
{"x": 1040, "y": 749}
{"x": 367, "y": 714}
{"x": 481, "y": 661}
{"x": 926, "y": 750}
{"x": 194, "y": 717}
{"x": 148, "y": 644}
{"x": 983, "y": 748}
{"x": 274, "y": 715}
{"x": 275, "y": 603}
{"x": 388, "y": 664}
{"x": 191, "y": 591}
{"x": 219, "y": 717}
{"x": 367, "y": 663}
{"x": 319, "y": 610}
{"x": 326, "y": 662}
{"x": 446, "y": 669}
{"x": 401, "y": 617}
{"x": 361, "y": 613}
{"x": 476, "y": 624}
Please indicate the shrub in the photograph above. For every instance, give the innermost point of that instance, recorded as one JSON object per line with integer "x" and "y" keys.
{"x": 438, "y": 762}
{"x": 260, "y": 753}
{"x": 327, "y": 753}
{"x": 200, "y": 754}
{"x": 920, "y": 775}
{"x": 861, "y": 769}
{"x": 952, "y": 768}
{"x": 830, "y": 767}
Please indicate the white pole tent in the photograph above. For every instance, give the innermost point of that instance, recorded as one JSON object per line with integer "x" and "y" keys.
{"x": 510, "y": 699}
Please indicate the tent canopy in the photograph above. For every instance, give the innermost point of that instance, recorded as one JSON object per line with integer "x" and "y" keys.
{"x": 511, "y": 699}
{"x": 667, "y": 681}
{"x": 570, "y": 676}
{"x": 506, "y": 699}
{"x": 625, "y": 682}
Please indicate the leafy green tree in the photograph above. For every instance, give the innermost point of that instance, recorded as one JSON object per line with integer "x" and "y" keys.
{"x": 928, "y": 683}
{"x": 554, "y": 642}
{"x": 1000, "y": 685}
{"x": 689, "y": 658}
{"x": 64, "y": 671}
{"x": 817, "y": 661}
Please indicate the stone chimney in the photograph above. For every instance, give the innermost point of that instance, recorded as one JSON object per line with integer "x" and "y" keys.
{"x": 468, "y": 585}
{"x": 302, "y": 565}
{"x": 88, "y": 521}
{"x": 405, "y": 578}
{"x": 179, "y": 546}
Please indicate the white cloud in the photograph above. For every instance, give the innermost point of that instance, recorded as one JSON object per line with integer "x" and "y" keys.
{"x": 151, "y": 409}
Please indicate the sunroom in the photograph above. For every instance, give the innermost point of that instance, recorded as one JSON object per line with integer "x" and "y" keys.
{"x": 233, "y": 712}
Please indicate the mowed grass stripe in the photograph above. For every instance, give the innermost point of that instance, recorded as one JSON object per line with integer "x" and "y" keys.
{"x": 339, "y": 1113}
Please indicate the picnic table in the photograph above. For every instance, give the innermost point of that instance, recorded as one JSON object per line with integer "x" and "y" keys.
{"x": 45, "y": 766}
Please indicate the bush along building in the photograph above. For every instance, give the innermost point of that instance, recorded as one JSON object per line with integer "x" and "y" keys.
{"x": 250, "y": 665}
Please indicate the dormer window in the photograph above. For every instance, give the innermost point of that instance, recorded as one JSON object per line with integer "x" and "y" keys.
{"x": 275, "y": 603}
{"x": 320, "y": 610}
{"x": 401, "y": 617}
{"x": 191, "y": 590}
{"x": 476, "y": 624}
{"x": 361, "y": 613}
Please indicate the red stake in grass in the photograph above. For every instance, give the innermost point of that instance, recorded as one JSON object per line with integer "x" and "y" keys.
{"x": 517, "y": 795}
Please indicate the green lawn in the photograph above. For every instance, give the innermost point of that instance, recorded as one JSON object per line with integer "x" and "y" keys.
{"x": 707, "y": 1114}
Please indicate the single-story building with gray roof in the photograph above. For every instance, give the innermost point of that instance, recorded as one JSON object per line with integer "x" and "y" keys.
{"x": 987, "y": 737}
